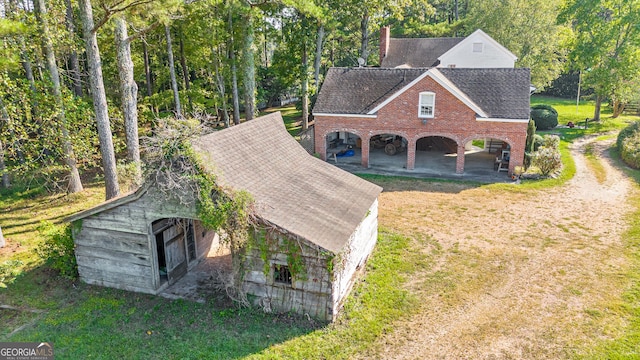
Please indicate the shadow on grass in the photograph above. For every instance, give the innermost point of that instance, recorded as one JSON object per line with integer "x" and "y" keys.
{"x": 84, "y": 321}
{"x": 393, "y": 183}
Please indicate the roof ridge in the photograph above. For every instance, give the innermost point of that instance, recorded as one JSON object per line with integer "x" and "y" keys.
{"x": 429, "y": 38}
{"x": 378, "y": 68}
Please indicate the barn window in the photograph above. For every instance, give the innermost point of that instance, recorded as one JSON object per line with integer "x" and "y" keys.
{"x": 477, "y": 47}
{"x": 427, "y": 104}
{"x": 281, "y": 274}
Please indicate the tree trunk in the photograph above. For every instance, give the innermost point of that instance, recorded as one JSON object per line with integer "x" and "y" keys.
{"x": 147, "y": 69}
{"x": 99, "y": 100}
{"x": 185, "y": 71}
{"x": 129, "y": 95}
{"x": 4, "y": 175}
{"x": 172, "y": 72}
{"x": 4, "y": 116}
{"x": 2, "y": 242}
{"x": 318, "y": 58}
{"x": 234, "y": 73}
{"x": 596, "y": 112}
{"x": 220, "y": 84}
{"x": 6, "y": 182}
{"x": 73, "y": 57}
{"x": 364, "y": 40}
{"x": 26, "y": 65}
{"x": 75, "y": 185}
{"x": 28, "y": 71}
{"x": 249, "y": 69}
{"x": 305, "y": 87}
{"x": 618, "y": 108}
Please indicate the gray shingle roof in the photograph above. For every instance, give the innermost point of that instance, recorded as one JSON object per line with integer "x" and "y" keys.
{"x": 358, "y": 90}
{"x": 501, "y": 93}
{"x": 293, "y": 190}
{"x": 417, "y": 52}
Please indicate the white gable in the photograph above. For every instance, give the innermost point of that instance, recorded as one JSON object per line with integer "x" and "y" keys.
{"x": 478, "y": 50}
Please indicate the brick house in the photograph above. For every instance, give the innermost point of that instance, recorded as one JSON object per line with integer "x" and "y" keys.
{"x": 423, "y": 99}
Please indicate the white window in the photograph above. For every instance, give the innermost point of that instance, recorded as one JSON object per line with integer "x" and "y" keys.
{"x": 477, "y": 47}
{"x": 427, "y": 104}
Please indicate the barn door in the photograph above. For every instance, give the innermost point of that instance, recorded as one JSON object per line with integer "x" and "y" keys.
{"x": 175, "y": 254}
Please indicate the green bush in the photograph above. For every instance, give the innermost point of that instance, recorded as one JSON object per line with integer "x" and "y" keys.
{"x": 545, "y": 116}
{"x": 547, "y": 160}
{"x": 551, "y": 141}
{"x": 57, "y": 250}
{"x": 629, "y": 145}
{"x": 8, "y": 271}
{"x": 538, "y": 141}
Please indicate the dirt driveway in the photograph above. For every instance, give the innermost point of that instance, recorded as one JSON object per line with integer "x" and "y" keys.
{"x": 517, "y": 275}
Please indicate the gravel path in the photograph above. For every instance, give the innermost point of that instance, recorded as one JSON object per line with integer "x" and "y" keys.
{"x": 519, "y": 275}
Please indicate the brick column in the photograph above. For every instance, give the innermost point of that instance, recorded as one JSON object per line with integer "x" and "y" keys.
{"x": 365, "y": 151}
{"x": 516, "y": 157}
{"x": 320, "y": 144}
{"x": 460, "y": 160}
{"x": 411, "y": 154}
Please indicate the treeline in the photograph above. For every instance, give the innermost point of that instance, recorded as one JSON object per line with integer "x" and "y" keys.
{"x": 79, "y": 79}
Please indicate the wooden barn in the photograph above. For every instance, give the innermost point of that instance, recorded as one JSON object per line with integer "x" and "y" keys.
{"x": 318, "y": 225}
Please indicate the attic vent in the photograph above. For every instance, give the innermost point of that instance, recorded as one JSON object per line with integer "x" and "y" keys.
{"x": 281, "y": 274}
{"x": 477, "y": 47}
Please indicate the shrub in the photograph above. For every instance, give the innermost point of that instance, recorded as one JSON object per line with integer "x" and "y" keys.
{"x": 8, "y": 271}
{"x": 547, "y": 159}
{"x": 538, "y": 141}
{"x": 531, "y": 135}
{"x": 57, "y": 250}
{"x": 545, "y": 116}
{"x": 629, "y": 145}
{"x": 551, "y": 141}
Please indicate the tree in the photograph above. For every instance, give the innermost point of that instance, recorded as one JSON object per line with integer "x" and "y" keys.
{"x": 99, "y": 100}
{"x": 128, "y": 94}
{"x": 75, "y": 185}
{"x": 528, "y": 29}
{"x": 2, "y": 242}
{"x": 606, "y": 46}
{"x": 249, "y": 65}
{"x": 7, "y": 60}
{"x": 234, "y": 70}
{"x": 73, "y": 56}
{"x": 172, "y": 72}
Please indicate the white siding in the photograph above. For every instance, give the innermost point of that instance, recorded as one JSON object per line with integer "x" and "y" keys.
{"x": 462, "y": 55}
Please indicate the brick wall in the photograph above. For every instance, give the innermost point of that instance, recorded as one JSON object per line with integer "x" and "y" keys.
{"x": 452, "y": 119}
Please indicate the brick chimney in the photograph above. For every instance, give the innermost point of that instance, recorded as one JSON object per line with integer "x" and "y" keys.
{"x": 385, "y": 34}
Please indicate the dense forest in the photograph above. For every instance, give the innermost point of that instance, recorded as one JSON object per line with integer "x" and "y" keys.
{"x": 82, "y": 80}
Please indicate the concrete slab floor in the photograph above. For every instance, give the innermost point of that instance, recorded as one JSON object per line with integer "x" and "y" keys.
{"x": 204, "y": 281}
{"x": 478, "y": 165}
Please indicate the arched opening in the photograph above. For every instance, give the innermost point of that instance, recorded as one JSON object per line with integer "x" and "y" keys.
{"x": 189, "y": 258}
{"x": 484, "y": 156}
{"x": 436, "y": 154}
{"x": 344, "y": 147}
{"x": 388, "y": 151}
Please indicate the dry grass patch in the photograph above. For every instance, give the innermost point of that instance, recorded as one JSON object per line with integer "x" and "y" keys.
{"x": 594, "y": 164}
{"x": 522, "y": 273}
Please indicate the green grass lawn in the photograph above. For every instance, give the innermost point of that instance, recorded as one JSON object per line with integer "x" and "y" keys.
{"x": 291, "y": 116}
{"x": 568, "y": 112}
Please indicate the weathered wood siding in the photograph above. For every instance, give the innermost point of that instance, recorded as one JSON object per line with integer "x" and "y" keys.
{"x": 116, "y": 247}
{"x": 311, "y": 295}
{"x": 354, "y": 256}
